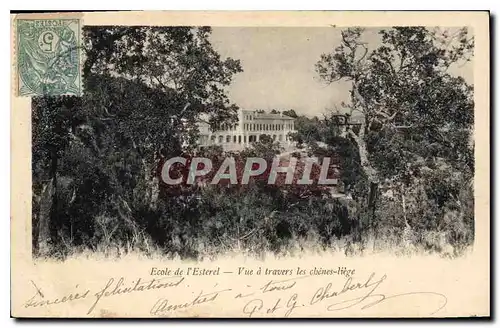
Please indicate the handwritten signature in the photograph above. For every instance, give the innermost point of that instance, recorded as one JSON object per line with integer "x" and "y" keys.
{"x": 323, "y": 294}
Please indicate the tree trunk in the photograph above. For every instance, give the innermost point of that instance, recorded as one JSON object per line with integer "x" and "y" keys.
{"x": 43, "y": 237}
{"x": 403, "y": 203}
{"x": 371, "y": 174}
{"x": 53, "y": 217}
{"x": 152, "y": 186}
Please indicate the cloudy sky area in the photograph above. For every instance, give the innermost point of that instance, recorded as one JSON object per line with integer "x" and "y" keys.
{"x": 278, "y": 64}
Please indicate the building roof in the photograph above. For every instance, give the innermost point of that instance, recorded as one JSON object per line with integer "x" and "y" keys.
{"x": 273, "y": 116}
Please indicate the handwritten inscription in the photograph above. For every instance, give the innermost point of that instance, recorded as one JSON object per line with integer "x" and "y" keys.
{"x": 113, "y": 287}
{"x": 336, "y": 299}
{"x": 257, "y": 305}
{"x": 163, "y": 305}
{"x": 275, "y": 298}
{"x": 39, "y": 299}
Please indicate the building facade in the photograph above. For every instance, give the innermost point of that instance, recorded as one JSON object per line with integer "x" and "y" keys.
{"x": 251, "y": 126}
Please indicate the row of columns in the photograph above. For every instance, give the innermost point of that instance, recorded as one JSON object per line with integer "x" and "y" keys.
{"x": 245, "y": 139}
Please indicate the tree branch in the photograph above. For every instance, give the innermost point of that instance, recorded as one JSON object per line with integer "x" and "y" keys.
{"x": 385, "y": 115}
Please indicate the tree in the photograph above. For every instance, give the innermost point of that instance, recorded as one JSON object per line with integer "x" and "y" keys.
{"x": 53, "y": 122}
{"x": 144, "y": 89}
{"x": 404, "y": 84}
{"x": 308, "y": 130}
{"x": 290, "y": 113}
{"x": 415, "y": 112}
{"x": 179, "y": 59}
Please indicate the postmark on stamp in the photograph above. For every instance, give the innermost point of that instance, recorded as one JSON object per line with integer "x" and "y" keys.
{"x": 48, "y": 57}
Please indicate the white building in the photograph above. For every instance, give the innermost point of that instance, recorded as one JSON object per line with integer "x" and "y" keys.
{"x": 250, "y": 127}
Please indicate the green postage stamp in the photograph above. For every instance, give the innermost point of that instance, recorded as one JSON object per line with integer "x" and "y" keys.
{"x": 48, "y": 57}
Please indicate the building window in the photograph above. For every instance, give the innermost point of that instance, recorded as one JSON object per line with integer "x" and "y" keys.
{"x": 221, "y": 139}
{"x": 239, "y": 139}
{"x": 274, "y": 137}
{"x": 234, "y": 139}
{"x": 280, "y": 137}
{"x": 212, "y": 139}
{"x": 244, "y": 139}
{"x": 228, "y": 138}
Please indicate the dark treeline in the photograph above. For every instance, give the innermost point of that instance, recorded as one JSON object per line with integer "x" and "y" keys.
{"x": 406, "y": 169}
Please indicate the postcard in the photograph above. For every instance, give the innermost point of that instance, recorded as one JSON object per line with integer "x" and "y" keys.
{"x": 240, "y": 164}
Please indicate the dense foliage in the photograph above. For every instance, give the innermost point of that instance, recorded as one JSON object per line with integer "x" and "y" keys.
{"x": 415, "y": 139}
{"x": 406, "y": 170}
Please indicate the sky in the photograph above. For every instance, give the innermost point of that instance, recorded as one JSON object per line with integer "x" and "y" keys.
{"x": 278, "y": 64}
